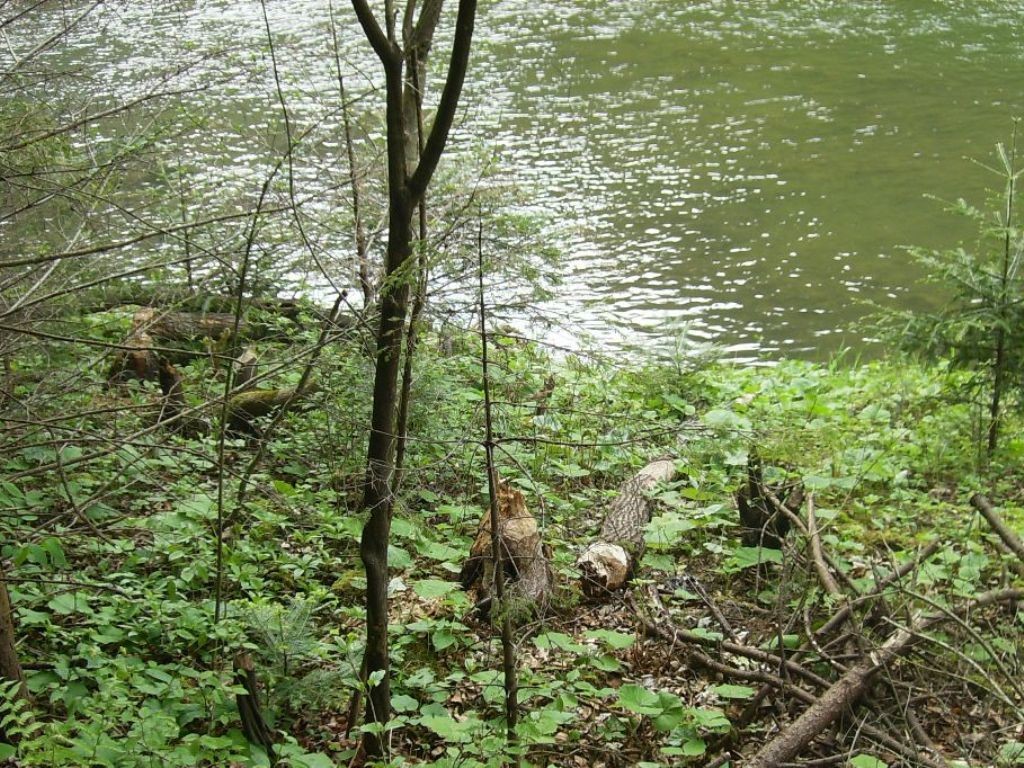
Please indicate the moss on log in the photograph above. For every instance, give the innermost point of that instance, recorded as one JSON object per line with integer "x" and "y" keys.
{"x": 245, "y": 407}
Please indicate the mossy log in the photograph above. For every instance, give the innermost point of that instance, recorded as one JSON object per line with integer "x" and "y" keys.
{"x": 245, "y": 407}
{"x": 608, "y": 563}
{"x": 524, "y": 556}
{"x": 180, "y": 299}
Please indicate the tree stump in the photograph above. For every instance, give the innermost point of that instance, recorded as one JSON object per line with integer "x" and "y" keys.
{"x": 524, "y": 556}
{"x": 763, "y": 524}
{"x": 139, "y": 363}
{"x": 608, "y": 563}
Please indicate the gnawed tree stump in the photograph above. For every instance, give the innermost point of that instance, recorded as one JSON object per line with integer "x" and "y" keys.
{"x": 254, "y": 726}
{"x": 173, "y": 391}
{"x": 139, "y": 363}
{"x": 245, "y": 407}
{"x": 608, "y": 563}
{"x": 173, "y": 407}
{"x": 248, "y": 364}
{"x": 763, "y": 524}
{"x": 524, "y": 556}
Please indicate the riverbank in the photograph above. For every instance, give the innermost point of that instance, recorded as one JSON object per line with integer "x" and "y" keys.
{"x": 128, "y": 621}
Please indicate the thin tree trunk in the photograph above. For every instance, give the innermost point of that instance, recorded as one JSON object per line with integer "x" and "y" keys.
{"x": 377, "y": 494}
{"x": 999, "y": 363}
{"x": 508, "y": 647}
{"x": 10, "y": 667}
{"x": 405, "y": 189}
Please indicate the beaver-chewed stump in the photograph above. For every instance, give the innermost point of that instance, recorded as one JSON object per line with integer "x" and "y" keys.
{"x": 608, "y": 563}
{"x": 524, "y": 556}
{"x": 763, "y": 523}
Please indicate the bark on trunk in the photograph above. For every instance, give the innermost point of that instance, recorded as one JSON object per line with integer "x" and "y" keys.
{"x": 762, "y": 524}
{"x": 405, "y": 189}
{"x": 608, "y": 563}
{"x": 10, "y": 667}
{"x": 524, "y": 557}
{"x": 254, "y": 726}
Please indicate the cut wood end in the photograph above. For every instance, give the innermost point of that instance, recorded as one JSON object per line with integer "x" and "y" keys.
{"x": 605, "y": 568}
{"x": 658, "y": 471}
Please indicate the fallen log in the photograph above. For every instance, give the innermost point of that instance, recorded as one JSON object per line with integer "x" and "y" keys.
{"x": 245, "y": 407}
{"x": 669, "y": 632}
{"x": 186, "y": 326}
{"x": 846, "y": 691}
{"x": 525, "y": 558}
{"x": 608, "y": 563}
{"x": 180, "y": 299}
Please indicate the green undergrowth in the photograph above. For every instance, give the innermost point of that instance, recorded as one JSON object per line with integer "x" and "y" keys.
{"x": 113, "y": 568}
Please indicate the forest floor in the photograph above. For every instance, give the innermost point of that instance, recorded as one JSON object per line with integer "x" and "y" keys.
{"x": 130, "y": 608}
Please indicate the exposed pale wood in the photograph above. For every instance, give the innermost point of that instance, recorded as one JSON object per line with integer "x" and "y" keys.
{"x": 608, "y": 563}
{"x": 524, "y": 557}
{"x": 247, "y": 366}
{"x": 140, "y": 363}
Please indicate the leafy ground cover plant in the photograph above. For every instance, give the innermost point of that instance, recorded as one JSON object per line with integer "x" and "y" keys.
{"x": 112, "y": 569}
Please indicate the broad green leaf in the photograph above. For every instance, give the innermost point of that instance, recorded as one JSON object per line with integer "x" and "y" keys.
{"x": 748, "y": 557}
{"x": 734, "y": 691}
{"x": 450, "y": 729}
{"x": 638, "y": 699}
{"x": 616, "y": 640}
{"x": 68, "y": 603}
{"x": 430, "y": 589}
{"x": 403, "y": 703}
{"x": 867, "y": 761}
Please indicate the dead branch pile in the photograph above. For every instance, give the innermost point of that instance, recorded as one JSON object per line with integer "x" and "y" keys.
{"x": 892, "y": 669}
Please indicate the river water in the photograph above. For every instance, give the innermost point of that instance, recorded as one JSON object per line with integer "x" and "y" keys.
{"x": 746, "y": 171}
